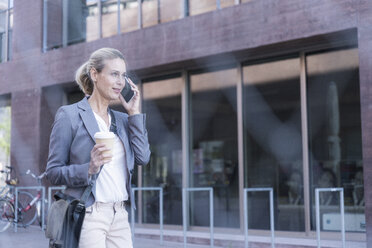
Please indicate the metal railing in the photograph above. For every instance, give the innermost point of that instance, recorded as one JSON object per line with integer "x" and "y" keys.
{"x": 42, "y": 188}
{"x": 160, "y": 209}
{"x": 270, "y": 190}
{"x": 342, "y": 212}
{"x": 184, "y": 212}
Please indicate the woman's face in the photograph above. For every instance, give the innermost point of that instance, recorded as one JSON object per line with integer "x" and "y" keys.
{"x": 110, "y": 81}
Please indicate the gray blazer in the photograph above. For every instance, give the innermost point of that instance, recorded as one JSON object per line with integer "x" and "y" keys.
{"x": 72, "y": 140}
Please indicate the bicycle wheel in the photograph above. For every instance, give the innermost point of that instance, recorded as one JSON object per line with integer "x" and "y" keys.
{"x": 26, "y": 216}
{"x": 6, "y": 215}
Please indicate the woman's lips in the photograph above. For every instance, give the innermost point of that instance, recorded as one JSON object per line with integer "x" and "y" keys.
{"x": 117, "y": 91}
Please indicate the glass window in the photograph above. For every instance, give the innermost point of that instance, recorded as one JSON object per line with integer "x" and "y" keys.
{"x": 162, "y": 105}
{"x": 214, "y": 158}
{"x": 335, "y": 145}
{"x": 109, "y": 17}
{"x": 197, "y": 7}
{"x": 54, "y": 23}
{"x": 149, "y": 13}
{"x": 128, "y": 15}
{"x": 170, "y": 10}
{"x": 10, "y": 34}
{"x": 82, "y": 22}
{"x": 92, "y": 20}
{"x": 6, "y": 25}
{"x": 227, "y": 3}
{"x": 5, "y": 130}
{"x": 2, "y": 35}
{"x": 273, "y": 143}
{"x": 77, "y": 14}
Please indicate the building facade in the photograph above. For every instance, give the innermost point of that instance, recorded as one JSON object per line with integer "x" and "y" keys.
{"x": 238, "y": 94}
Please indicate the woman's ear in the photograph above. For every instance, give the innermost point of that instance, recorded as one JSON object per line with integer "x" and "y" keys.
{"x": 93, "y": 74}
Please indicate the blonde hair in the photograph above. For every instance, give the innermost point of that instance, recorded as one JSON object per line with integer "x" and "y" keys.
{"x": 96, "y": 61}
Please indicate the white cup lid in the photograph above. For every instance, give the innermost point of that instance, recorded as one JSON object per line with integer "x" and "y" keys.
{"x": 104, "y": 135}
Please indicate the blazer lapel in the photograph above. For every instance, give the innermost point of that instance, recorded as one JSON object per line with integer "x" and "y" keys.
{"x": 88, "y": 118}
{"x": 123, "y": 137}
{"x": 121, "y": 132}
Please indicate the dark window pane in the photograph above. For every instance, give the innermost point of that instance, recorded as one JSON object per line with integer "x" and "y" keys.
{"x": 335, "y": 146}
{"x": 214, "y": 148}
{"x": 273, "y": 143}
{"x": 77, "y": 14}
{"x": 54, "y": 24}
{"x": 82, "y": 22}
{"x": 2, "y": 35}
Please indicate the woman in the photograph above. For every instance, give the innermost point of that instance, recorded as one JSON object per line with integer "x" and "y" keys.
{"x": 74, "y": 158}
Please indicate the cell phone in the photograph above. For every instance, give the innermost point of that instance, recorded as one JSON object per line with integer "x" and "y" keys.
{"x": 127, "y": 92}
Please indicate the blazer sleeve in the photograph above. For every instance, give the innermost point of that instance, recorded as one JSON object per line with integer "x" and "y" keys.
{"x": 139, "y": 139}
{"x": 58, "y": 169}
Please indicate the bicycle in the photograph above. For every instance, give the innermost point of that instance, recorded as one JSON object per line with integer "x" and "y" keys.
{"x": 29, "y": 207}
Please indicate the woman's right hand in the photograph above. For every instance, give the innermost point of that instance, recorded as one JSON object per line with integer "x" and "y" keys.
{"x": 98, "y": 158}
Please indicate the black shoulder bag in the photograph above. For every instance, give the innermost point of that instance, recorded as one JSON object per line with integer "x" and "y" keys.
{"x": 65, "y": 219}
{"x": 66, "y": 215}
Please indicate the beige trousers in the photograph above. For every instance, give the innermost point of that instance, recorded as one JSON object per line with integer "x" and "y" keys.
{"x": 106, "y": 226}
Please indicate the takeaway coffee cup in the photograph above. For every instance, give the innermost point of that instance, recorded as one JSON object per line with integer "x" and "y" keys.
{"x": 106, "y": 138}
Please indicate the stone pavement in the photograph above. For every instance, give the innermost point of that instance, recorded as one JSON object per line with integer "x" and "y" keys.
{"x": 33, "y": 237}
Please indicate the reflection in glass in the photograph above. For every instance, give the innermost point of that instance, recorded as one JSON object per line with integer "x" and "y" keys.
{"x": 197, "y": 7}
{"x": 54, "y": 23}
{"x": 214, "y": 148}
{"x": 77, "y": 14}
{"x": 149, "y": 13}
{"x": 5, "y": 130}
{"x": 170, "y": 10}
{"x": 227, "y": 3}
{"x": 2, "y": 36}
{"x": 109, "y": 10}
{"x": 128, "y": 15}
{"x": 335, "y": 145}
{"x": 273, "y": 144}
{"x": 92, "y": 20}
{"x": 162, "y": 105}
{"x": 82, "y": 22}
{"x": 5, "y": 125}
{"x": 10, "y": 35}
{"x": 3, "y": 5}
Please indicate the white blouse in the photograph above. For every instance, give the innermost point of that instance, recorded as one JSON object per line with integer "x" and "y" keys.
{"x": 111, "y": 182}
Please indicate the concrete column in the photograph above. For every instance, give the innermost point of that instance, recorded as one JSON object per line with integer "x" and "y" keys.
{"x": 365, "y": 74}
{"x": 51, "y": 99}
{"x": 28, "y": 28}
{"x": 25, "y": 134}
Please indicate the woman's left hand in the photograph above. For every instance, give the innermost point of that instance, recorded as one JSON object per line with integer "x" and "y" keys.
{"x": 133, "y": 106}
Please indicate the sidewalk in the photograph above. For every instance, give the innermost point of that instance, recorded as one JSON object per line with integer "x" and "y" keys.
{"x": 33, "y": 237}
